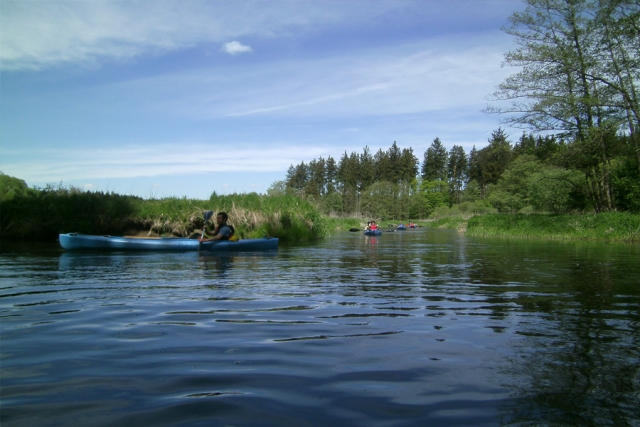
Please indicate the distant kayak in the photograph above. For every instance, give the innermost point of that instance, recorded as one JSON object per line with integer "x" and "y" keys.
{"x": 76, "y": 241}
{"x": 402, "y": 227}
{"x": 372, "y": 232}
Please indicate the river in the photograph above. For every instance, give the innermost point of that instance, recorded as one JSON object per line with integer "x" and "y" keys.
{"x": 416, "y": 328}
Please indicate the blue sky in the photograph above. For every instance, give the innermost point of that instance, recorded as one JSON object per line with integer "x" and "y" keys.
{"x": 171, "y": 98}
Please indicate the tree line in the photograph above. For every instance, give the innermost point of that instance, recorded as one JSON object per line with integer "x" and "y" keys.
{"x": 576, "y": 92}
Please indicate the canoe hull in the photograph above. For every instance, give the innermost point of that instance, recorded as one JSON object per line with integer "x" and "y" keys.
{"x": 75, "y": 242}
{"x": 372, "y": 232}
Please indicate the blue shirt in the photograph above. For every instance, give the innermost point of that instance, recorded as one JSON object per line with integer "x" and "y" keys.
{"x": 225, "y": 231}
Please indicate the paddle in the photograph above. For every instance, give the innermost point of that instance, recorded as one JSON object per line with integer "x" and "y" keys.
{"x": 207, "y": 217}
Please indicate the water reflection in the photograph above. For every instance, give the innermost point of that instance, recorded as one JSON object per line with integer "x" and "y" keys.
{"x": 215, "y": 262}
{"x": 577, "y": 358}
{"x": 423, "y": 327}
{"x": 582, "y": 349}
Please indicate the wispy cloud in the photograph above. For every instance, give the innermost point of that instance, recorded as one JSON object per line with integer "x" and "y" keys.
{"x": 49, "y": 165}
{"x": 410, "y": 79}
{"x": 234, "y": 48}
{"x": 40, "y": 34}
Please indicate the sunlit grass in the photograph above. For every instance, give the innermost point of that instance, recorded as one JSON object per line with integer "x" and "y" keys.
{"x": 45, "y": 213}
{"x": 609, "y": 226}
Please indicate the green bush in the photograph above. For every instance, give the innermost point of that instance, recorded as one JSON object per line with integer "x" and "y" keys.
{"x": 11, "y": 187}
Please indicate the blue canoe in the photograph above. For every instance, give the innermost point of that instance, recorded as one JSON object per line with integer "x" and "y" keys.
{"x": 402, "y": 227}
{"x": 75, "y": 241}
{"x": 372, "y": 232}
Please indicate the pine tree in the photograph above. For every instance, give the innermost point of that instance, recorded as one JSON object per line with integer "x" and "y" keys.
{"x": 457, "y": 170}
{"x": 434, "y": 166}
{"x": 331, "y": 175}
{"x": 487, "y": 165}
{"x": 367, "y": 169}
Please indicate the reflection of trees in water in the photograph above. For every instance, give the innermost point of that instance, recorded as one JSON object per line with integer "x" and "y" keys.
{"x": 224, "y": 262}
{"x": 220, "y": 263}
{"x": 580, "y": 352}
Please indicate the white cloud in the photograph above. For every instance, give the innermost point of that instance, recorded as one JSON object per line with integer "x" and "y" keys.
{"x": 40, "y": 34}
{"x": 52, "y": 165}
{"x": 414, "y": 78}
{"x": 234, "y": 48}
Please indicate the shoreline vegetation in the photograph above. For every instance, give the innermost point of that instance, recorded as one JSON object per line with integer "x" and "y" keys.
{"x": 42, "y": 214}
{"x": 606, "y": 226}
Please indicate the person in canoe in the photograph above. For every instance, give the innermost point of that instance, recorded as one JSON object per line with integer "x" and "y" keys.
{"x": 371, "y": 225}
{"x": 223, "y": 231}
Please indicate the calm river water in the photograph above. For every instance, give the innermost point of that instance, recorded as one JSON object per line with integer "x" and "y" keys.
{"x": 415, "y": 328}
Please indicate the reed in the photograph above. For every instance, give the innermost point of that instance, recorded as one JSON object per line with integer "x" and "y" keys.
{"x": 43, "y": 214}
{"x": 452, "y": 222}
{"x": 610, "y": 226}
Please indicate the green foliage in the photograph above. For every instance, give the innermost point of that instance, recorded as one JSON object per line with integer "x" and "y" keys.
{"x": 454, "y": 222}
{"x": 434, "y": 194}
{"x": 277, "y": 188}
{"x": 463, "y": 210}
{"x": 608, "y": 226}
{"x": 543, "y": 187}
{"x": 334, "y": 224}
{"x": 43, "y": 214}
{"x": 487, "y": 165}
{"x": 541, "y": 173}
{"x": 11, "y": 187}
{"x": 557, "y": 190}
{"x": 457, "y": 173}
{"x": 351, "y": 177}
{"x": 614, "y": 226}
{"x": 379, "y": 200}
{"x": 471, "y": 192}
{"x": 434, "y": 166}
{"x": 542, "y": 147}
{"x": 332, "y": 204}
{"x": 512, "y": 191}
{"x": 578, "y": 72}
{"x": 626, "y": 184}
{"x": 287, "y": 217}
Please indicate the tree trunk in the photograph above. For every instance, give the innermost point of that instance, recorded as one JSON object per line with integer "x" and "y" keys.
{"x": 593, "y": 189}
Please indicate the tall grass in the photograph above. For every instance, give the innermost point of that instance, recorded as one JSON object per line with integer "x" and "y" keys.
{"x": 284, "y": 216}
{"x": 610, "y": 226}
{"x": 43, "y": 214}
{"x": 453, "y": 222}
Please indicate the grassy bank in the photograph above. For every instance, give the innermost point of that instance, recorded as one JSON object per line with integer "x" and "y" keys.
{"x": 611, "y": 226}
{"x": 43, "y": 214}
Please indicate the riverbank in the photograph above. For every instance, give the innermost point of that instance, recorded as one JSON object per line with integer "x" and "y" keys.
{"x": 609, "y": 226}
{"x": 43, "y": 214}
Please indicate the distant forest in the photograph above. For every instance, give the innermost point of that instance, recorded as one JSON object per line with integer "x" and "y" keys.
{"x": 536, "y": 174}
{"x": 577, "y": 92}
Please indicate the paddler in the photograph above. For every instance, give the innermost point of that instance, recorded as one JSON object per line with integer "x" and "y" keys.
{"x": 223, "y": 231}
